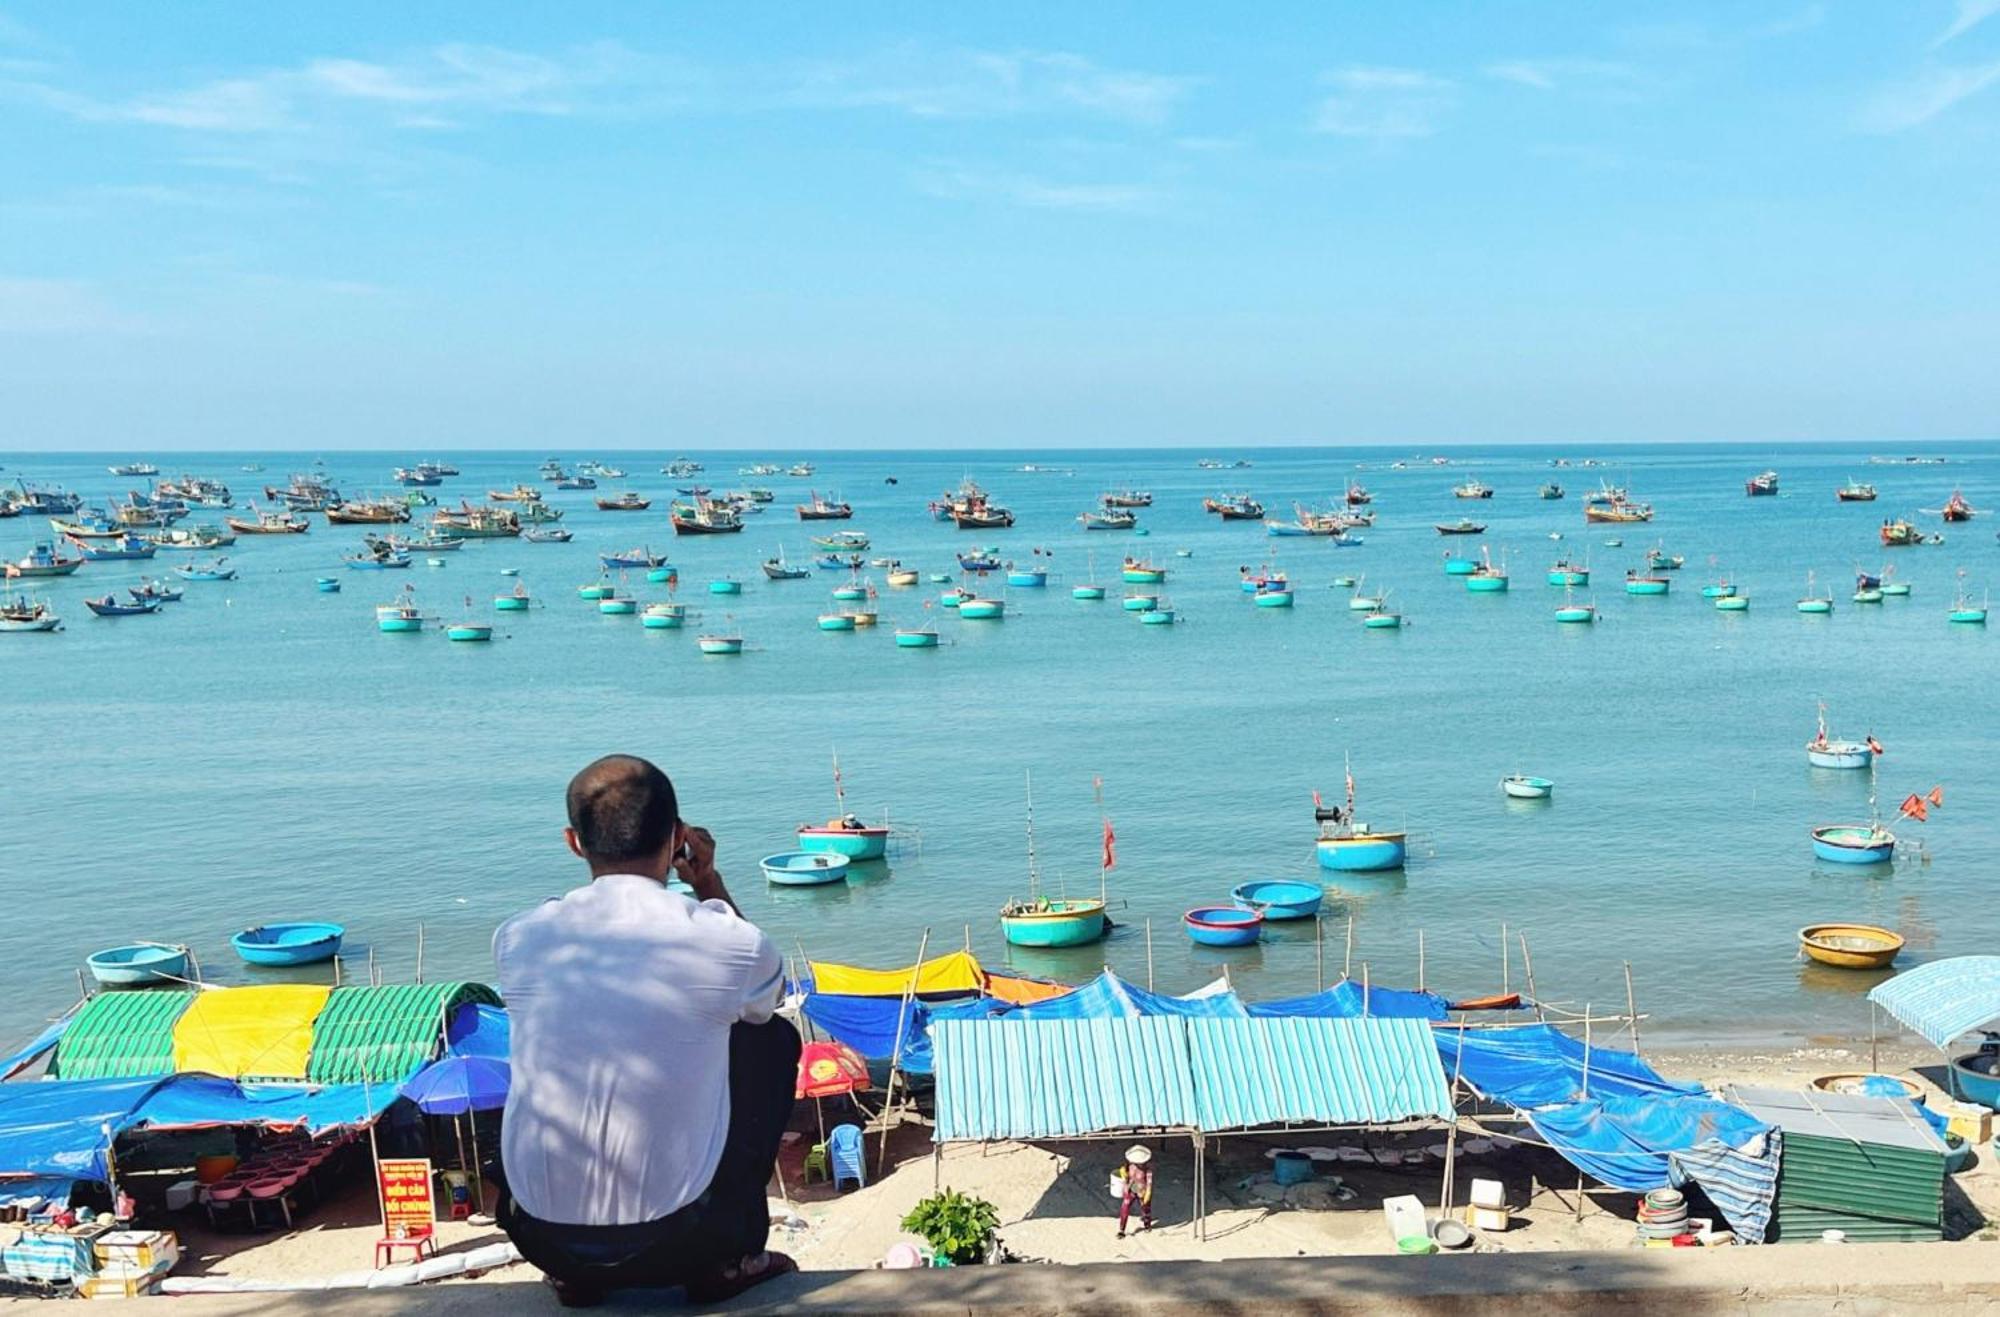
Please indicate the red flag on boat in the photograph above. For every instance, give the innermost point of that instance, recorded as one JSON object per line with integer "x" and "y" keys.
{"x": 1876, "y": 746}
{"x": 1913, "y": 808}
{"x": 1110, "y": 847}
{"x": 1316, "y": 801}
{"x": 1937, "y": 796}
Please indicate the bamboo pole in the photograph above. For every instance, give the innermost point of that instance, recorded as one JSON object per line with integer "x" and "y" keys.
{"x": 420, "y": 953}
{"x": 1528, "y": 965}
{"x": 1450, "y": 1190}
{"x": 1347, "y": 966}
{"x": 1420, "y": 960}
{"x": 1149, "y": 953}
{"x": 1319, "y": 954}
{"x": 896, "y": 1058}
{"x": 1632, "y": 1008}
{"x": 1364, "y": 989}
{"x": 1505, "y": 984}
{"x": 1586, "y": 1093}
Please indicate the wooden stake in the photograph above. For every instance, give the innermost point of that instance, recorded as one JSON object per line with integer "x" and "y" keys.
{"x": 1420, "y": 960}
{"x": 896, "y": 1058}
{"x": 1347, "y": 966}
{"x": 1149, "y": 953}
{"x": 1364, "y": 989}
{"x": 420, "y": 953}
{"x": 1451, "y": 1138}
{"x": 1505, "y": 985}
{"x": 1528, "y": 965}
{"x": 1586, "y": 1093}
{"x": 1632, "y": 1008}
{"x": 1319, "y": 954}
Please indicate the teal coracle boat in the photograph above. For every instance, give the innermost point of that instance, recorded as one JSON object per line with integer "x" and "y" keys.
{"x": 1381, "y": 619}
{"x": 983, "y": 610}
{"x": 804, "y": 868}
{"x": 1086, "y": 592}
{"x": 660, "y": 575}
{"x": 516, "y": 601}
{"x": 1485, "y": 583}
{"x": 288, "y": 944}
{"x": 940, "y": 578}
{"x": 1348, "y": 845}
{"x": 1868, "y": 596}
{"x": 1719, "y": 590}
{"x": 1645, "y": 585}
{"x": 1563, "y": 574}
{"x": 719, "y": 644}
{"x": 1969, "y": 616}
{"x": 401, "y": 616}
{"x": 1733, "y": 603}
{"x": 1457, "y": 566}
{"x": 1140, "y": 603}
{"x": 1815, "y": 605}
{"x": 1044, "y": 921}
{"x": 139, "y": 964}
{"x": 1136, "y": 572}
{"x": 1157, "y": 617}
{"x": 726, "y": 585}
{"x": 663, "y": 617}
{"x": 468, "y": 632}
{"x": 1223, "y": 926}
{"x": 847, "y": 593}
{"x": 1027, "y": 578}
{"x": 597, "y": 590}
{"x": 1523, "y": 787}
{"x": 1896, "y": 589}
{"x": 922, "y": 638}
{"x": 836, "y": 622}
{"x": 1279, "y": 898}
{"x": 327, "y": 585}
{"x": 1274, "y": 599}
{"x": 1574, "y": 613}
{"x": 617, "y": 604}
{"x": 1854, "y": 843}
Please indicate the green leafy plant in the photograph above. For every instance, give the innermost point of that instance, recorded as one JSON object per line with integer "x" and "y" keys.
{"x": 958, "y": 1226}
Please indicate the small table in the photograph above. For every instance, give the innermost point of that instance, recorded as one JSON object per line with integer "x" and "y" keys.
{"x": 420, "y": 1246}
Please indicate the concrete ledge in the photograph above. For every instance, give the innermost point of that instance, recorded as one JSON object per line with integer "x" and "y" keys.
{"x": 1873, "y": 1278}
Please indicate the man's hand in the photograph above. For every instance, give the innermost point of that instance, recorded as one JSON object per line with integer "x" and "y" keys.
{"x": 698, "y": 869}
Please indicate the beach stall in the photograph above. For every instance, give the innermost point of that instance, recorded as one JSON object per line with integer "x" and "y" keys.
{"x": 1871, "y": 1168}
{"x": 1944, "y": 1001}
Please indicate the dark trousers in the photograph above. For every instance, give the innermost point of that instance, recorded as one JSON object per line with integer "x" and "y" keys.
{"x": 730, "y": 1221}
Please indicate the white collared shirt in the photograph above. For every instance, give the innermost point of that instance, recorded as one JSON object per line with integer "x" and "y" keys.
{"x": 620, "y": 996}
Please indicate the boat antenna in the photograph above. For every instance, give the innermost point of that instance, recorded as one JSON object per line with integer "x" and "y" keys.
{"x": 1034, "y": 872}
{"x": 1104, "y": 859}
{"x": 1348, "y": 760}
{"x": 839, "y": 790}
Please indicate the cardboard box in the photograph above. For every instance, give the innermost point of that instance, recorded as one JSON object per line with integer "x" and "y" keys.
{"x": 132, "y": 1252}
{"x": 104, "y": 1287}
{"x": 1970, "y": 1122}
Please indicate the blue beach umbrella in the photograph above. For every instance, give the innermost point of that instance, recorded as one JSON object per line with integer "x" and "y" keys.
{"x": 458, "y": 1084}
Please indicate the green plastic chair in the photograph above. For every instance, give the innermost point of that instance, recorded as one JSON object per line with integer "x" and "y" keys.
{"x": 816, "y": 1160}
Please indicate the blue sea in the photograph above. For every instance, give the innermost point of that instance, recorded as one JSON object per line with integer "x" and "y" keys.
{"x": 261, "y": 752}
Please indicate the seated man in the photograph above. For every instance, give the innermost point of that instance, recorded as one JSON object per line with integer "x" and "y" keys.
{"x": 651, "y": 1082}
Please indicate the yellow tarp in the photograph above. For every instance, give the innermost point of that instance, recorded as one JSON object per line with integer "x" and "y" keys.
{"x": 258, "y": 1033}
{"x": 958, "y": 972}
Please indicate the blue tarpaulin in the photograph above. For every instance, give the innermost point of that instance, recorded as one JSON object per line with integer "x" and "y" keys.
{"x": 477, "y": 1029}
{"x": 1538, "y": 1065}
{"x": 1348, "y": 1000}
{"x": 58, "y": 1127}
{"x": 45, "y": 1041}
{"x": 1945, "y": 998}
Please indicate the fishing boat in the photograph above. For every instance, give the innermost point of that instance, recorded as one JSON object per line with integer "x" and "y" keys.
{"x": 979, "y": 561}
{"x": 1357, "y": 496}
{"x": 1472, "y": 489}
{"x": 1223, "y": 926}
{"x": 1348, "y": 845}
{"x": 1275, "y": 595}
{"x": 1616, "y": 512}
{"x": 835, "y": 622}
{"x": 1850, "y": 946}
{"x": 477, "y": 522}
{"x": 400, "y": 617}
{"x": 903, "y": 576}
{"x": 1868, "y": 594}
{"x": 1964, "y": 611}
{"x": 126, "y": 548}
{"x": 1486, "y": 578}
{"x": 1521, "y": 786}
{"x": 518, "y": 494}
{"x": 417, "y": 475}
{"x": 1279, "y": 899}
{"x": 191, "y": 539}
{"x": 1659, "y": 560}
{"x": 44, "y": 560}
{"x": 844, "y": 833}
{"x": 639, "y": 557}
{"x": 719, "y": 644}
{"x": 683, "y": 467}
{"x": 21, "y": 613}
{"x": 1812, "y": 603}
{"x": 268, "y": 523}
{"x": 111, "y": 606}
{"x": 88, "y": 526}
{"x": 289, "y": 944}
{"x": 1463, "y": 526}
{"x": 1854, "y": 491}
{"x": 663, "y": 616}
{"x": 134, "y": 469}
{"x": 704, "y": 517}
{"x": 368, "y": 512}
{"x": 803, "y": 868}
{"x": 1637, "y": 582}
{"x": 777, "y": 569}
{"x": 157, "y": 591}
{"x": 1825, "y": 752}
{"x": 924, "y": 637}
{"x": 628, "y": 501}
{"x": 1127, "y": 498}
{"x": 1136, "y": 571}
{"x": 576, "y": 482}
{"x": 985, "y": 516}
{"x": 1566, "y": 573}
{"x": 534, "y": 512}
{"x": 842, "y": 541}
{"x": 1761, "y": 485}
{"x": 547, "y": 535}
{"x": 139, "y": 964}
{"x": 215, "y": 569}
{"x": 1045, "y": 921}
{"x": 1957, "y": 509}
{"x": 822, "y": 509}
{"x": 982, "y": 610}
{"x": 1854, "y": 843}
{"x": 1552, "y": 491}
{"x": 1108, "y": 519}
{"x": 514, "y": 601}
{"x": 1900, "y": 533}
{"x": 1733, "y": 603}
{"x": 1235, "y": 507}
{"x": 1381, "y": 618}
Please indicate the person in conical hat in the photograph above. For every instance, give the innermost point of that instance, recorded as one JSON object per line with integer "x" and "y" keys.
{"x": 1138, "y": 1188}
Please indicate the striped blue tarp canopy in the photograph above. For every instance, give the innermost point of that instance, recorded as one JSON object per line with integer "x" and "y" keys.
{"x": 1945, "y": 998}
{"x": 1020, "y": 1079}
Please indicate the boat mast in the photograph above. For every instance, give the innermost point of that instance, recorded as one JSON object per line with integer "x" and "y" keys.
{"x": 839, "y": 790}
{"x": 1104, "y": 852}
{"x": 1034, "y": 871}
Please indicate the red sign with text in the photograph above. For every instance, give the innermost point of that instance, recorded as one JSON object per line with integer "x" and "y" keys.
{"x": 408, "y": 1209}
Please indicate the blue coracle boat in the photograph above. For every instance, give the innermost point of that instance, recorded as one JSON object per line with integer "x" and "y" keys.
{"x": 1279, "y": 898}
{"x": 804, "y": 868}
{"x": 1223, "y": 926}
{"x": 1854, "y": 843}
{"x": 288, "y": 944}
{"x": 140, "y": 963}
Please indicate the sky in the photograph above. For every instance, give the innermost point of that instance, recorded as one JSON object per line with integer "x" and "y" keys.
{"x": 686, "y": 226}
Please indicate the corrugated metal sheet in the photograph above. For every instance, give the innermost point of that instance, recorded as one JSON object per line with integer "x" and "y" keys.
{"x": 1945, "y": 998}
{"x": 120, "y": 1035}
{"x": 1315, "y": 1071}
{"x": 1879, "y": 1120}
{"x": 1039, "y": 1079}
{"x": 1867, "y": 1165}
{"x": 383, "y": 1035}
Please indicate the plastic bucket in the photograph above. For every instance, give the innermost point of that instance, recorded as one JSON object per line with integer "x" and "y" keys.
{"x": 1290, "y": 1168}
{"x": 207, "y": 1170}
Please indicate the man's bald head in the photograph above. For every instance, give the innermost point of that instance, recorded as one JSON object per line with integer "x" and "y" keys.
{"x": 622, "y": 809}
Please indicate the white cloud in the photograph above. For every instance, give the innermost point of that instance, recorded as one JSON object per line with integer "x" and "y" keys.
{"x": 971, "y": 84}
{"x": 963, "y": 184}
{"x": 1383, "y": 103}
{"x": 1971, "y": 13}
{"x": 59, "y": 306}
{"x": 1926, "y": 96}
{"x": 1549, "y": 74}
